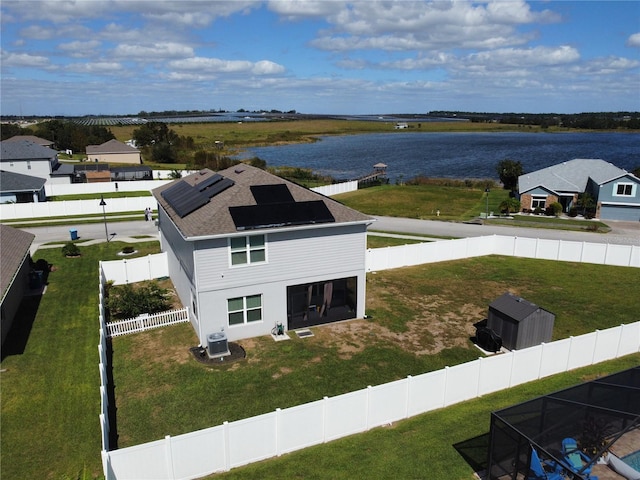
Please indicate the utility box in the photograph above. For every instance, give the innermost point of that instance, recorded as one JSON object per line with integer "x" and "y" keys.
{"x": 519, "y": 323}
{"x": 217, "y": 345}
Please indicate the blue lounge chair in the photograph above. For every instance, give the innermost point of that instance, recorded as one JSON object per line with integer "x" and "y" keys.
{"x": 537, "y": 469}
{"x": 579, "y": 462}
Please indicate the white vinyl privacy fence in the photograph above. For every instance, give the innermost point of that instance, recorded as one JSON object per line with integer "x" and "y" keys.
{"x": 233, "y": 444}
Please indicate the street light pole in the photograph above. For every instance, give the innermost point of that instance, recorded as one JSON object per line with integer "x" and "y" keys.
{"x": 486, "y": 190}
{"x": 104, "y": 216}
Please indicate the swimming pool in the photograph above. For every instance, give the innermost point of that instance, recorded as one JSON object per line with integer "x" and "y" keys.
{"x": 633, "y": 460}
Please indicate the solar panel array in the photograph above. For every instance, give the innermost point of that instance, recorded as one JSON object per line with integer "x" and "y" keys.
{"x": 276, "y": 207}
{"x": 184, "y": 198}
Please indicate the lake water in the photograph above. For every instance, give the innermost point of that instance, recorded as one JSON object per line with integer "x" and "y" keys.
{"x": 452, "y": 155}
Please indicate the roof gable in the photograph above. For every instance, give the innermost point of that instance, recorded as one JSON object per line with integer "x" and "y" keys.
{"x": 254, "y": 199}
{"x": 572, "y": 176}
{"x": 513, "y": 306}
{"x": 24, "y": 150}
{"x": 111, "y": 146}
{"x": 17, "y": 182}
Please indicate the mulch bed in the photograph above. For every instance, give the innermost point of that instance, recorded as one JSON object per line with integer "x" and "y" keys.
{"x": 237, "y": 354}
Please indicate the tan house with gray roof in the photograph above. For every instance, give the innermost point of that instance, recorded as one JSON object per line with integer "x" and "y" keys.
{"x": 248, "y": 250}
{"x": 113, "y": 151}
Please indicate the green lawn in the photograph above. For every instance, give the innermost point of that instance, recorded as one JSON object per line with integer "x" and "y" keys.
{"x": 422, "y": 201}
{"x": 49, "y": 395}
{"x": 49, "y": 390}
{"x": 422, "y": 447}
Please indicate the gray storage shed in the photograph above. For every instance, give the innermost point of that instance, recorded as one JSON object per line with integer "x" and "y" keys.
{"x": 519, "y": 323}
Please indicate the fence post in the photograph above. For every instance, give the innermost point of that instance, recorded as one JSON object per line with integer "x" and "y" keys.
{"x": 446, "y": 382}
{"x": 277, "y": 435}
{"x": 227, "y": 447}
{"x": 408, "y": 402}
{"x": 325, "y": 406}
{"x": 619, "y": 340}
{"x": 368, "y": 406}
{"x": 169, "y": 457}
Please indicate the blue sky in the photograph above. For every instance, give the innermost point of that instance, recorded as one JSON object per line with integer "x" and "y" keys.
{"x": 329, "y": 56}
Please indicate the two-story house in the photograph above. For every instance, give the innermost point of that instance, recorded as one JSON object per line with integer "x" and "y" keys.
{"x": 28, "y": 158}
{"x": 248, "y": 250}
{"x": 615, "y": 191}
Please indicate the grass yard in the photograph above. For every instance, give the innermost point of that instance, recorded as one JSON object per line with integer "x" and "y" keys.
{"x": 49, "y": 393}
{"x": 422, "y": 447}
{"x": 421, "y": 321}
{"x": 423, "y": 201}
{"x": 422, "y": 318}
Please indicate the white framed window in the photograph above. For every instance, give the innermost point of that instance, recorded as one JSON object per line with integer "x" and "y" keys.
{"x": 248, "y": 250}
{"x": 243, "y": 310}
{"x": 624, "y": 190}
{"x": 538, "y": 202}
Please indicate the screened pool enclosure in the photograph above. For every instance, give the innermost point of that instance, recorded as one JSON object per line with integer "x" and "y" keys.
{"x": 564, "y": 434}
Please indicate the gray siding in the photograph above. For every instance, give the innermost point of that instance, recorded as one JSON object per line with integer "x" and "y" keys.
{"x": 294, "y": 256}
{"x": 173, "y": 240}
{"x": 12, "y": 299}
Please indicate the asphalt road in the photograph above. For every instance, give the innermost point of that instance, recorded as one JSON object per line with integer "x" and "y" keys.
{"x": 623, "y": 233}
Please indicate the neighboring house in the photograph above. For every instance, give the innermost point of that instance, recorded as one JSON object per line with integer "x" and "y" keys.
{"x": 248, "y": 250}
{"x": 19, "y": 188}
{"x": 43, "y": 142}
{"x": 29, "y": 158}
{"x": 615, "y": 191}
{"x": 113, "y": 151}
{"x": 15, "y": 266}
{"x": 520, "y": 324}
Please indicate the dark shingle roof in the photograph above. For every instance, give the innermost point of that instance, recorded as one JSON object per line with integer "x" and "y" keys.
{"x": 24, "y": 150}
{"x": 17, "y": 182}
{"x": 32, "y": 138}
{"x": 14, "y": 245}
{"x": 214, "y": 218}
{"x": 112, "y": 146}
{"x": 513, "y": 306}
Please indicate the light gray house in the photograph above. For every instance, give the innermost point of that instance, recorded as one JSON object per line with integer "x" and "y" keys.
{"x": 248, "y": 250}
{"x": 18, "y": 188}
{"x": 15, "y": 265}
{"x": 518, "y": 322}
{"x": 615, "y": 191}
{"x": 29, "y": 158}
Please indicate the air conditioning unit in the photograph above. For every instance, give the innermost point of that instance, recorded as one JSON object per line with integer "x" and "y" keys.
{"x": 217, "y": 345}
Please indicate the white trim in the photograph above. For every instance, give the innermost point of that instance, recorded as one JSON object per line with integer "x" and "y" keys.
{"x": 616, "y": 185}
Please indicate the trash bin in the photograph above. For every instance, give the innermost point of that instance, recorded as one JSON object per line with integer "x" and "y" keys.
{"x": 74, "y": 234}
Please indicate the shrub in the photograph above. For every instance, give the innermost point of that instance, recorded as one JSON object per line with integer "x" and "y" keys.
{"x": 537, "y": 211}
{"x": 128, "y": 250}
{"x": 573, "y": 212}
{"x": 556, "y": 208}
{"x": 70, "y": 249}
{"x": 125, "y": 301}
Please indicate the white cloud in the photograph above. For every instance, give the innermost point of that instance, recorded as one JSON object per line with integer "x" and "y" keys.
{"x": 95, "y": 67}
{"x": 634, "y": 40}
{"x": 153, "y": 52}
{"x": 297, "y": 9}
{"x": 10, "y": 59}
{"x": 203, "y": 65}
{"x": 80, "y": 48}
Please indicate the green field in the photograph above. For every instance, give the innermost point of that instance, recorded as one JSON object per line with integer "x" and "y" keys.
{"x": 238, "y": 135}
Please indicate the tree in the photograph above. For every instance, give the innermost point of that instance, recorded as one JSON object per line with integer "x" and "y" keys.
{"x": 154, "y": 132}
{"x": 586, "y": 203}
{"x": 509, "y": 205}
{"x": 163, "y": 152}
{"x": 509, "y": 171}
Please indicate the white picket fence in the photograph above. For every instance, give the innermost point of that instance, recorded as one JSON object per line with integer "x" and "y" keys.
{"x": 337, "y": 188}
{"x": 146, "y": 322}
